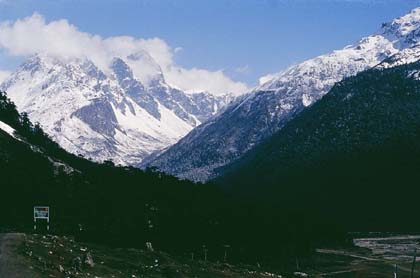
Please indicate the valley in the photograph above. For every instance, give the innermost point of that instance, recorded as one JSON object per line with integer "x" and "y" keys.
{"x": 143, "y": 167}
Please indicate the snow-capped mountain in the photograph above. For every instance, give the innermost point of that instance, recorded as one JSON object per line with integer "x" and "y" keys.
{"x": 110, "y": 114}
{"x": 266, "y": 109}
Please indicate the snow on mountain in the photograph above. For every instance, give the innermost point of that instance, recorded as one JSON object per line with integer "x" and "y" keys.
{"x": 267, "y": 108}
{"x": 107, "y": 114}
{"x": 8, "y": 129}
{"x": 405, "y": 56}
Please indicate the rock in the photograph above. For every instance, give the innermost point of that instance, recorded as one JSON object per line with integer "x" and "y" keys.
{"x": 88, "y": 261}
{"x": 149, "y": 247}
{"x": 60, "y": 268}
{"x": 77, "y": 263}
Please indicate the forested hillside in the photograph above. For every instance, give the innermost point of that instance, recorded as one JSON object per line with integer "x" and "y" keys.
{"x": 124, "y": 206}
{"x": 353, "y": 157}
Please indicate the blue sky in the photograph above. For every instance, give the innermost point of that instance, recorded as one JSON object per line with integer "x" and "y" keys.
{"x": 245, "y": 38}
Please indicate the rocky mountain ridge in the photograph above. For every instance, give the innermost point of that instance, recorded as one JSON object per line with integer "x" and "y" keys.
{"x": 264, "y": 111}
{"x": 107, "y": 115}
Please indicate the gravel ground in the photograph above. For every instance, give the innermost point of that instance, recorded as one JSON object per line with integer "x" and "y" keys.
{"x": 12, "y": 265}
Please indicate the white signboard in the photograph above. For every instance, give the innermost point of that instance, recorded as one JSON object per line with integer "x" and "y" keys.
{"x": 41, "y": 212}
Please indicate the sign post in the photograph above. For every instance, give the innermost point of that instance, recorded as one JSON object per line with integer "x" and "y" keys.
{"x": 42, "y": 212}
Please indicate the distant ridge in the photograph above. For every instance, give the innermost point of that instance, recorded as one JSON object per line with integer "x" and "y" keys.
{"x": 265, "y": 110}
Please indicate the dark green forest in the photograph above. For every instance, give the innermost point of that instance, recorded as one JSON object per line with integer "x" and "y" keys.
{"x": 125, "y": 206}
{"x": 352, "y": 158}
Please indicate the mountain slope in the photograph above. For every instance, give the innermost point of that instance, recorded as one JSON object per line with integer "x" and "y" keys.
{"x": 251, "y": 120}
{"x": 106, "y": 115}
{"x": 34, "y": 170}
{"x": 357, "y": 150}
{"x": 125, "y": 206}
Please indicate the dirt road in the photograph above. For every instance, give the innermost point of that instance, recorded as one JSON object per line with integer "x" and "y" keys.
{"x": 12, "y": 265}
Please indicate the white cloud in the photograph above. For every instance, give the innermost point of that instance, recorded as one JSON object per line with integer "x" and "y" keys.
{"x": 33, "y": 34}
{"x": 3, "y": 75}
{"x": 203, "y": 80}
{"x": 178, "y": 49}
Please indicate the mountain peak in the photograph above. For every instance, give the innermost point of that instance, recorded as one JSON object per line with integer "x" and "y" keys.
{"x": 407, "y": 25}
{"x": 145, "y": 68}
{"x": 121, "y": 69}
{"x": 105, "y": 113}
{"x": 394, "y": 36}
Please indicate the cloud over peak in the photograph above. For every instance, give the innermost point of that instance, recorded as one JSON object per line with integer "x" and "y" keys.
{"x": 31, "y": 35}
{"x": 3, "y": 75}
